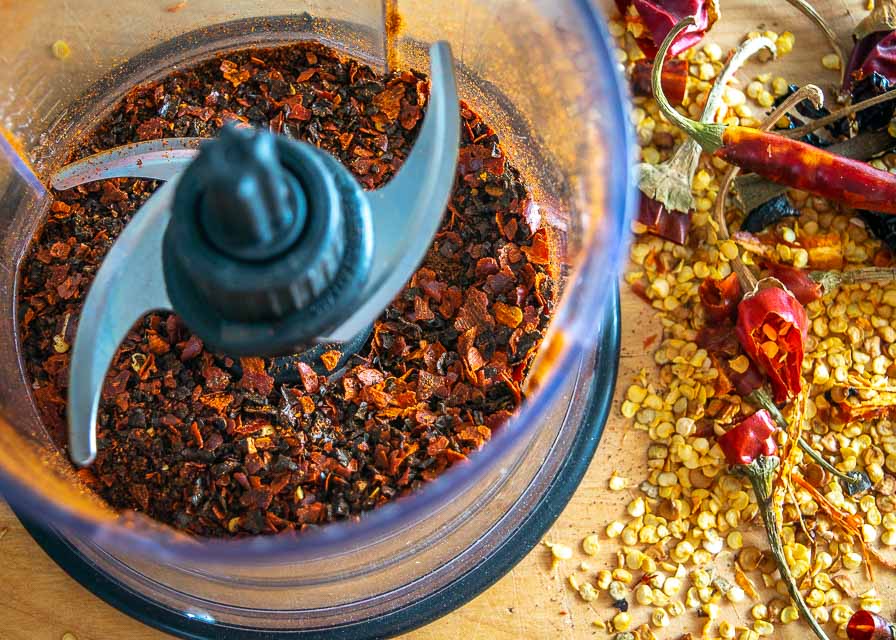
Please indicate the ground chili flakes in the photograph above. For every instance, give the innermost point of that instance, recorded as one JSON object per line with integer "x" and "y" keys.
{"x": 219, "y": 448}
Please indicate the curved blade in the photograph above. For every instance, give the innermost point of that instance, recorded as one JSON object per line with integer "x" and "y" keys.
{"x": 155, "y": 159}
{"x": 407, "y": 212}
{"x": 129, "y": 284}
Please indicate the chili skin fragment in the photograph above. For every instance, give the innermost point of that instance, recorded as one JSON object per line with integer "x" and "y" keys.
{"x": 751, "y": 438}
{"x": 772, "y": 327}
{"x": 720, "y": 297}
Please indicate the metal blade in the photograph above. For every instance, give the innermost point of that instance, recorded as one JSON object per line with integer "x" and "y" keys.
{"x": 129, "y": 284}
{"x": 154, "y": 159}
{"x": 407, "y": 211}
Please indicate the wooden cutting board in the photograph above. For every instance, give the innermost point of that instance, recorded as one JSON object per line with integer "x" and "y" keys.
{"x": 38, "y": 601}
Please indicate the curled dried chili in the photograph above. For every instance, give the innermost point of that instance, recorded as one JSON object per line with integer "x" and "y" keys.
{"x": 784, "y": 160}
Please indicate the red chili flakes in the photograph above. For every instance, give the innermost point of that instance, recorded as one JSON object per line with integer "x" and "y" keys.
{"x": 474, "y": 312}
{"x": 217, "y": 447}
{"x": 307, "y": 74}
{"x": 190, "y": 349}
{"x": 475, "y": 158}
{"x": 507, "y": 315}
{"x": 153, "y": 128}
{"x": 539, "y": 252}
{"x": 219, "y": 402}
{"x": 331, "y": 358}
{"x": 255, "y": 377}
{"x": 388, "y": 101}
{"x": 233, "y": 73}
{"x": 295, "y": 110}
{"x": 310, "y": 380}
{"x": 112, "y": 193}
{"x": 60, "y": 250}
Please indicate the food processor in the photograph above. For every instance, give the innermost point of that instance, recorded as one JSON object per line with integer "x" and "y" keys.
{"x": 544, "y": 76}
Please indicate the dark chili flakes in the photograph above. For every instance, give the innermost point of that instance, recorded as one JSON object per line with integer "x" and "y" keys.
{"x": 217, "y": 447}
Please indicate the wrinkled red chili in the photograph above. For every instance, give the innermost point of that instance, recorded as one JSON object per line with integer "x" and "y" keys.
{"x": 772, "y": 327}
{"x": 660, "y": 16}
{"x": 797, "y": 281}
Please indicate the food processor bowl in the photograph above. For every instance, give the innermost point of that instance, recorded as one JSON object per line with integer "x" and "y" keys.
{"x": 544, "y": 75}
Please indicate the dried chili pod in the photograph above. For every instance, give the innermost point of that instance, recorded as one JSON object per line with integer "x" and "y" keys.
{"x": 783, "y": 160}
{"x": 797, "y": 281}
{"x": 769, "y": 213}
{"x": 751, "y": 450}
{"x": 877, "y": 117}
{"x": 865, "y": 625}
{"x": 720, "y": 297}
{"x": 658, "y": 17}
{"x": 663, "y": 222}
{"x": 772, "y": 327}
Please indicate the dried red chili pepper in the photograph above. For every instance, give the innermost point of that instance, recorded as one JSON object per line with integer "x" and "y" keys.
{"x": 772, "y": 327}
{"x": 720, "y": 297}
{"x": 865, "y": 625}
{"x": 807, "y": 286}
{"x": 783, "y": 160}
{"x": 658, "y": 17}
{"x": 751, "y": 450}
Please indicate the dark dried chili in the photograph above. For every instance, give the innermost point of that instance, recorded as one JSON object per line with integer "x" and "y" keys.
{"x": 219, "y": 446}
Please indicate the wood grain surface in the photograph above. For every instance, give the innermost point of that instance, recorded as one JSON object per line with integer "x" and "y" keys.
{"x": 38, "y": 601}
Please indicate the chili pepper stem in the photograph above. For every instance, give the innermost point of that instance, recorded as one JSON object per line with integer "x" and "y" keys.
{"x": 707, "y": 134}
{"x": 761, "y": 473}
{"x": 830, "y": 280}
{"x": 854, "y": 482}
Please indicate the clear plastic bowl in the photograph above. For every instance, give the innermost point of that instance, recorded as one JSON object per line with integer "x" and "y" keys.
{"x": 543, "y": 75}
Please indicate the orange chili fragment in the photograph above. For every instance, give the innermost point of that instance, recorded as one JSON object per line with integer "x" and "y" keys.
{"x": 720, "y": 297}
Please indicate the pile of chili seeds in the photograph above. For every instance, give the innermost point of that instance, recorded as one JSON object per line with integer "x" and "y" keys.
{"x": 691, "y": 544}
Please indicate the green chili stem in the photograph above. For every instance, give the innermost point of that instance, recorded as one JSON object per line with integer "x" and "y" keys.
{"x": 708, "y": 135}
{"x": 761, "y": 473}
{"x": 830, "y": 280}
